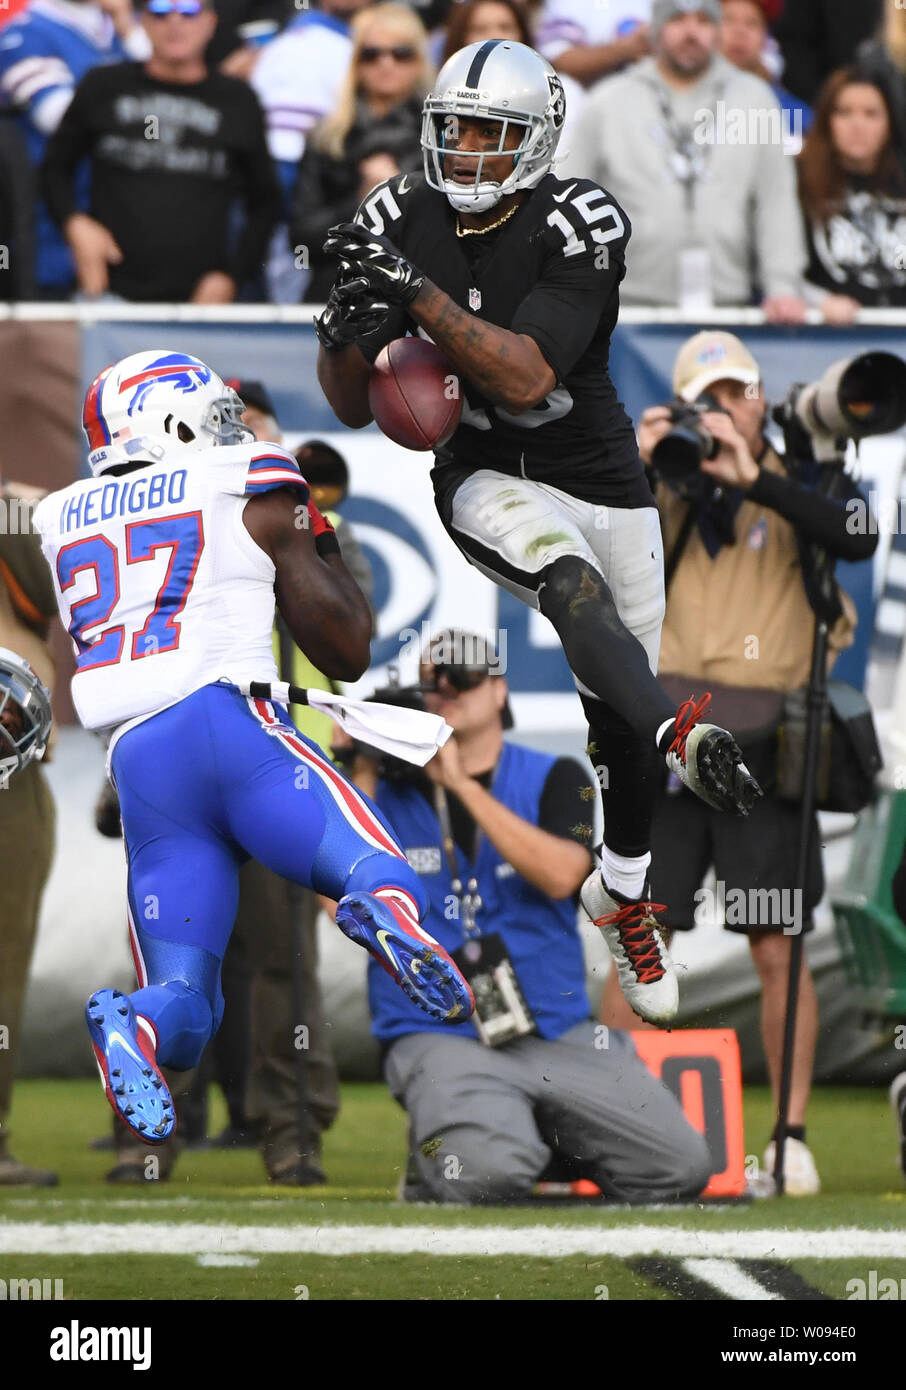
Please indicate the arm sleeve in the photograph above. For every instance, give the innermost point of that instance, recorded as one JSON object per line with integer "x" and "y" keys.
{"x": 567, "y": 801}
{"x": 70, "y": 143}
{"x": 260, "y": 189}
{"x": 563, "y": 311}
{"x": 820, "y": 520}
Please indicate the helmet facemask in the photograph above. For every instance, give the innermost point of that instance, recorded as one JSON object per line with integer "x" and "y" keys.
{"x": 531, "y": 157}
{"x": 21, "y": 688}
{"x": 221, "y": 422}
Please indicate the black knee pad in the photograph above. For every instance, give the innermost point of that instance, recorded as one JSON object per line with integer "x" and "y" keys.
{"x": 568, "y": 579}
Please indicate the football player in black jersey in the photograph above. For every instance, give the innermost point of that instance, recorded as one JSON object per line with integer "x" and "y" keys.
{"x": 514, "y": 274}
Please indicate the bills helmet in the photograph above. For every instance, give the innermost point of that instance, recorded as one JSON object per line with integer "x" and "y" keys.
{"x": 507, "y": 82}
{"x": 24, "y": 715}
{"x": 155, "y": 401}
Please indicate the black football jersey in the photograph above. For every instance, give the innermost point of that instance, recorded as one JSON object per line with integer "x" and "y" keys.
{"x": 551, "y": 271}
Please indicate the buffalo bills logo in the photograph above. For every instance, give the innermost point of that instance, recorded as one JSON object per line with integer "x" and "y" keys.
{"x": 183, "y": 373}
{"x": 557, "y": 107}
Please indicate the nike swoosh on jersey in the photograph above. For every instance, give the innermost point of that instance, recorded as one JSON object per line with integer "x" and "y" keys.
{"x": 561, "y": 197}
{"x": 403, "y": 185}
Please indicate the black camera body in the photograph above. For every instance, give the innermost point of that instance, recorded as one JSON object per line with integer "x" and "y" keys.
{"x": 677, "y": 458}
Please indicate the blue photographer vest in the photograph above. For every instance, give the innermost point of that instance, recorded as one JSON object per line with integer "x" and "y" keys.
{"x": 541, "y": 935}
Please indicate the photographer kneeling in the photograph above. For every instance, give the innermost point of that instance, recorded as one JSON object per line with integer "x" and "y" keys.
{"x": 737, "y": 520}
{"x": 537, "y": 1089}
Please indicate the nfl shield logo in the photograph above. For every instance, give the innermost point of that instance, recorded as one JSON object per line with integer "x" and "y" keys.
{"x": 474, "y": 300}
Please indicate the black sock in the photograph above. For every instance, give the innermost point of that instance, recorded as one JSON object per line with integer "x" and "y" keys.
{"x": 666, "y": 739}
{"x": 629, "y": 774}
{"x": 792, "y": 1132}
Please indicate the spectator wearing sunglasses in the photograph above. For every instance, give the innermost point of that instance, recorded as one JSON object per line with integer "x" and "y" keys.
{"x": 172, "y": 148}
{"x": 530, "y": 1089}
{"x": 372, "y": 134}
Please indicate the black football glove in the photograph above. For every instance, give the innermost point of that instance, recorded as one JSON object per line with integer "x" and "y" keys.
{"x": 351, "y": 312}
{"x": 390, "y": 276}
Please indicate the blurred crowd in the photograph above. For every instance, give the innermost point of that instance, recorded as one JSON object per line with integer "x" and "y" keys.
{"x": 199, "y": 150}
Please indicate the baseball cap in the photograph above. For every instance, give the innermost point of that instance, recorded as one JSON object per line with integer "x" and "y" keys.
{"x": 466, "y": 659}
{"x": 712, "y": 356}
{"x": 254, "y": 395}
{"x": 664, "y": 10}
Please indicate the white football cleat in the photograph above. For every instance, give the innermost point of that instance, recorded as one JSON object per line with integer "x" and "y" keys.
{"x": 631, "y": 931}
{"x": 800, "y": 1176}
{"x": 707, "y": 760}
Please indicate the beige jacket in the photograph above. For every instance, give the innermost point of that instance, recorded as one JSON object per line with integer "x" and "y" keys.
{"x": 742, "y": 618}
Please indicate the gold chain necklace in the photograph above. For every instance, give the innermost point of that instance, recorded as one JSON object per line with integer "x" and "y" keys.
{"x": 479, "y": 231}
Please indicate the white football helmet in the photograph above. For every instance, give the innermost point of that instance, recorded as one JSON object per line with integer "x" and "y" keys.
{"x": 154, "y": 401}
{"x": 510, "y": 83}
{"x": 25, "y": 717}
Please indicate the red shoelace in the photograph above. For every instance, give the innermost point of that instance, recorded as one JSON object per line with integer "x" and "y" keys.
{"x": 638, "y": 939}
{"x": 687, "y": 716}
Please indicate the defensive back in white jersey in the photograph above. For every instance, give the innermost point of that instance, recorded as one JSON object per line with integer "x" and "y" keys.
{"x": 160, "y": 584}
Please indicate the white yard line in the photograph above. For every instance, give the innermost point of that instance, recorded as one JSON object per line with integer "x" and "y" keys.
{"x": 727, "y": 1276}
{"x": 194, "y": 1238}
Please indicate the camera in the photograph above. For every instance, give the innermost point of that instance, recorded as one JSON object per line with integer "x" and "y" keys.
{"x": 855, "y": 398}
{"x": 678, "y": 456}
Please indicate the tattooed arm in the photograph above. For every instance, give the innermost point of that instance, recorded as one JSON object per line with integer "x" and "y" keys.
{"x": 508, "y": 368}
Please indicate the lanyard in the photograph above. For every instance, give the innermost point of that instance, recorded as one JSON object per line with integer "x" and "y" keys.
{"x": 689, "y": 158}
{"x": 469, "y": 899}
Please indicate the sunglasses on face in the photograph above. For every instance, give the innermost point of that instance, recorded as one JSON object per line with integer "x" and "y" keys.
{"x": 400, "y": 53}
{"x": 461, "y": 678}
{"x": 184, "y": 7}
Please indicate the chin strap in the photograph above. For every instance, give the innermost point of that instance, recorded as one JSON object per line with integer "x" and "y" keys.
{"x": 473, "y": 202}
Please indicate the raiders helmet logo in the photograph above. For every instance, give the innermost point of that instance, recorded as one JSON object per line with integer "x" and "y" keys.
{"x": 557, "y": 106}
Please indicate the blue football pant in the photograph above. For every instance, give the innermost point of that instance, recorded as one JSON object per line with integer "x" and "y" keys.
{"x": 205, "y": 785}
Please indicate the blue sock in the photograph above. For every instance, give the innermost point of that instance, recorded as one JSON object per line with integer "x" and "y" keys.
{"x": 183, "y": 1020}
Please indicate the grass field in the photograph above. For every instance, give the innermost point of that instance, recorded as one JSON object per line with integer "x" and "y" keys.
{"x": 217, "y": 1230}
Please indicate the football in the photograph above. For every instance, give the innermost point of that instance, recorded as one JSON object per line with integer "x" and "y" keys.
{"x": 414, "y": 394}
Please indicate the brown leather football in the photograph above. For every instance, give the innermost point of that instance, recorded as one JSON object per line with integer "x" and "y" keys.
{"x": 415, "y": 394}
